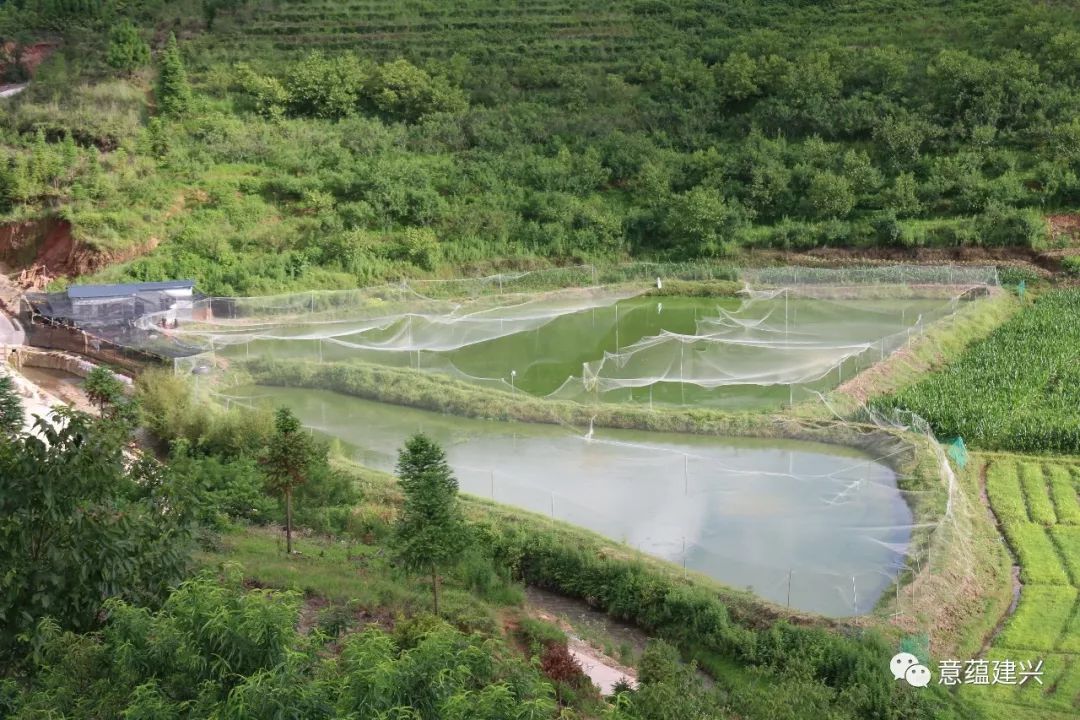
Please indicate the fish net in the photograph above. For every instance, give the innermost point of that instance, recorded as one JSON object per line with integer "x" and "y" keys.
{"x": 790, "y": 331}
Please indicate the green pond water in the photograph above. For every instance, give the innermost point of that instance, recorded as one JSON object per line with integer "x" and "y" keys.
{"x": 750, "y": 513}
{"x": 670, "y": 350}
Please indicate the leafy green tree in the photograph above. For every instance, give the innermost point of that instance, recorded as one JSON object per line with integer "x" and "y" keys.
{"x": 1061, "y": 56}
{"x": 173, "y": 92}
{"x": 78, "y": 526}
{"x": 903, "y": 196}
{"x": 44, "y": 163}
{"x": 127, "y": 50}
{"x": 737, "y": 76}
{"x": 702, "y": 222}
{"x": 319, "y": 86}
{"x": 830, "y": 195}
{"x": 157, "y": 138}
{"x": 288, "y": 462}
{"x": 431, "y": 530}
{"x": 11, "y": 409}
{"x": 103, "y": 388}
{"x": 402, "y": 90}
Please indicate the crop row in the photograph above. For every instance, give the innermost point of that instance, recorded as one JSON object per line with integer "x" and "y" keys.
{"x": 1066, "y": 498}
{"x": 1039, "y": 559}
{"x": 1041, "y": 619}
{"x": 1067, "y": 540}
{"x": 1016, "y": 390}
{"x": 1058, "y": 692}
{"x": 1040, "y": 508}
{"x": 1036, "y": 503}
{"x": 581, "y": 52}
{"x": 542, "y": 25}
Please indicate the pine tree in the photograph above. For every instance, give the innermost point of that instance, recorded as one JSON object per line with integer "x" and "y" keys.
{"x": 173, "y": 91}
{"x": 431, "y": 530}
{"x": 42, "y": 160}
{"x": 69, "y": 152}
{"x": 11, "y": 409}
{"x": 288, "y": 462}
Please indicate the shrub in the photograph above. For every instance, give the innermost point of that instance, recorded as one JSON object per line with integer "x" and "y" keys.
{"x": 127, "y": 50}
{"x": 1070, "y": 265}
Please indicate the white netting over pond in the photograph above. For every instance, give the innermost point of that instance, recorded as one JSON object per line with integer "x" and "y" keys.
{"x": 790, "y": 329}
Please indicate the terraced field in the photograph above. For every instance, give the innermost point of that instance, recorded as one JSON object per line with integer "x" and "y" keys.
{"x": 1037, "y": 503}
{"x": 613, "y": 35}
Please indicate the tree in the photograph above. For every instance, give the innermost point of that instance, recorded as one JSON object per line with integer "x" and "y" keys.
{"x": 127, "y": 50}
{"x": 702, "y": 222}
{"x": 830, "y": 195}
{"x": 79, "y": 524}
{"x": 903, "y": 196}
{"x": 288, "y": 462}
{"x": 402, "y": 90}
{"x": 431, "y": 530}
{"x": 173, "y": 91}
{"x": 737, "y": 76}
{"x": 103, "y": 388}
{"x": 11, "y": 409}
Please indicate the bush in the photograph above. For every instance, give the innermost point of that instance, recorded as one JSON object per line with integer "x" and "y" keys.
{"x": 1001, "y": 226}
{"x": 1070, "y": 265}
{"x": 127, "y": 50}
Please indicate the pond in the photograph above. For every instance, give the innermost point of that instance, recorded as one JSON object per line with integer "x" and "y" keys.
{"x": 821, "y": 527}
{"x": 601, "y": 344}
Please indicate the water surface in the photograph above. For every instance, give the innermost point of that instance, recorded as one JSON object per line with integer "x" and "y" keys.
{"x": 750, "y": 513}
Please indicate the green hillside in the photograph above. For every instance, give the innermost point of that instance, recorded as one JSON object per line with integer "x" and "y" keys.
{"x": 327, "y": 144}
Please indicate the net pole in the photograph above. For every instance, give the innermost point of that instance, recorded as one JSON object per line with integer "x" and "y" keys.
{"x": 789, "y": 587}
{"x": 682, "y": 383}
{"x": 616, "y": 327}
{"x": 785, "y": 314}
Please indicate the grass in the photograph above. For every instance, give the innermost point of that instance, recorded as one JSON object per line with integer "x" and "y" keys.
{"x": 1041, "y": 618}
{"x": 1067, "y": 540}
{"x": 1039, "y": 561}
{"x": 1064, "y": 493}
{"x": 1003, "y": 487}
{"x": 1036, "y": 495}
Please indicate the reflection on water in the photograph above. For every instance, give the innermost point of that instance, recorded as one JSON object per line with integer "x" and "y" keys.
{"x": 750, "y": 513}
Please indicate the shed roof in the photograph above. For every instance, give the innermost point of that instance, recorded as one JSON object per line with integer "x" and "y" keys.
{"x": 81, "y": 292}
